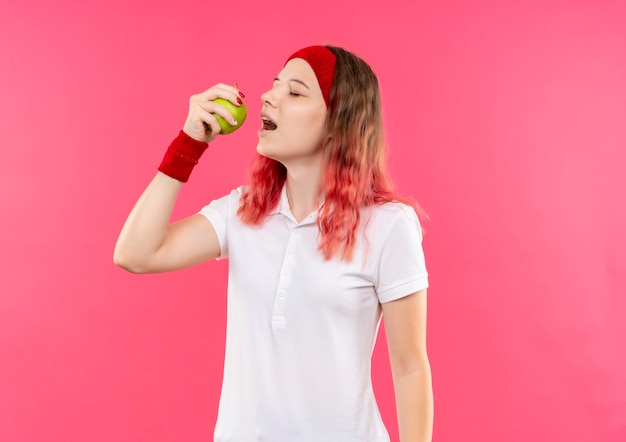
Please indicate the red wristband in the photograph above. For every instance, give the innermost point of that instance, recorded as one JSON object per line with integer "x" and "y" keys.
{"x": 182, "y": 155}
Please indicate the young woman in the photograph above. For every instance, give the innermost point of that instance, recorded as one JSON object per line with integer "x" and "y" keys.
{"x": 319, "y": 246}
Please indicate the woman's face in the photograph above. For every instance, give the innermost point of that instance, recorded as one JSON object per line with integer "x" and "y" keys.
{"x": 293, "y": 115}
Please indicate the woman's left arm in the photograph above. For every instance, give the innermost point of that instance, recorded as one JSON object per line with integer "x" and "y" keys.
{"x": 405, "y": 327}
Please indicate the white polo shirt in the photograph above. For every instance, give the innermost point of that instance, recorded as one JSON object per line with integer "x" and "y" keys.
{"x": 300, "y": 329}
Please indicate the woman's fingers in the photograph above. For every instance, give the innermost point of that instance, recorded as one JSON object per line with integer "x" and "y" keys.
{"x": 221, "y": 90}
{"x": 217, "y": 109}
{"x": 201, "y": 122}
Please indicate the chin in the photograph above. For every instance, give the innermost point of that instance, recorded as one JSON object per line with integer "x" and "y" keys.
{"x": 264, "y": 151}
{"x": 260, "y": 150}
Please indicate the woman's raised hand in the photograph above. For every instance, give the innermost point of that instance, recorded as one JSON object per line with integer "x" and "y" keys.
{"x": 200, "y": 123}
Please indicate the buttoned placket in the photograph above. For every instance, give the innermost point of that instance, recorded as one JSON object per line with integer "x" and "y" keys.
{"x": 285, "y": 284}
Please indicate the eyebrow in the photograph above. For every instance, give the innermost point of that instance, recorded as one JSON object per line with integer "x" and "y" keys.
{"x": 296, "y": 80}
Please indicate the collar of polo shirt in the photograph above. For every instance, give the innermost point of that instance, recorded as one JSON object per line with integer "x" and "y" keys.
{"x": 284, "y": 208}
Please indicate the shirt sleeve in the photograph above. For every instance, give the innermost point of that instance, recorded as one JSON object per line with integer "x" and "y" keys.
{"x": 217, "y": 212}
{"x": 401, "y": 267}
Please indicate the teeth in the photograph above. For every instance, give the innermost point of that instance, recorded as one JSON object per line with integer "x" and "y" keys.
{"x": 268, "y": 124}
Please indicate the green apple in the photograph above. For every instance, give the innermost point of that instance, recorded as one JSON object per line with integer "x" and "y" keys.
{"x": 239, "y": 112}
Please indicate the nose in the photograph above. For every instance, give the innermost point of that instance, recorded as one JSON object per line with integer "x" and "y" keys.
{"x": 268, "y": 98}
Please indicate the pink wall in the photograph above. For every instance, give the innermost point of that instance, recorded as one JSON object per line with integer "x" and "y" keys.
{"x": 507, "y": 120}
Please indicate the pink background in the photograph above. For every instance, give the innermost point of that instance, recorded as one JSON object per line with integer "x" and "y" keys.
{"x": 507, "y": 120}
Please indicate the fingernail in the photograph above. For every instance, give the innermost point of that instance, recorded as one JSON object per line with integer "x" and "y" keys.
{"x": 241, "y": 94}
{"x": 234, "y": 121}
{"x": 239, "y": 101}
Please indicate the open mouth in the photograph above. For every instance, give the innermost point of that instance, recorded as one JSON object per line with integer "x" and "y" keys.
{"x": 268, "y": 124}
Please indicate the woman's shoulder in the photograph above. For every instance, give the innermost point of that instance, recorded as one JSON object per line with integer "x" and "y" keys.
{"x": 228, "y": 201}
{"x": 235, "y": 194}
{"x": 238, "y": 191}
{"x": 381, "y": 220}
{"x": 392, "y": 210}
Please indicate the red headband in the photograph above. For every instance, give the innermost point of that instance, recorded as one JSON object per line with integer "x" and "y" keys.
{"x": 322, "y": 60}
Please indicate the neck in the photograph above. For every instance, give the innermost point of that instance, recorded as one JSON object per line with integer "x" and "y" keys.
{"x": 303, "y": 187}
